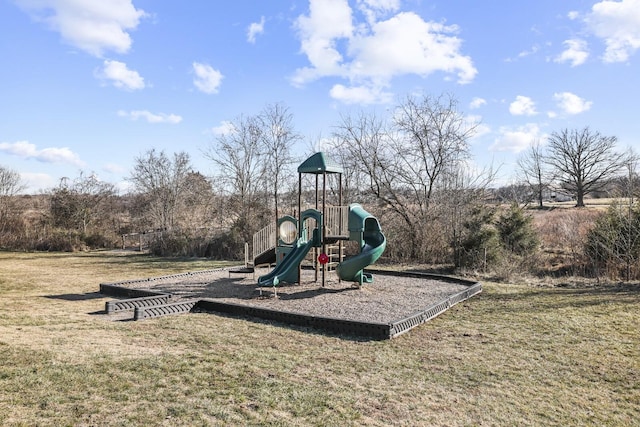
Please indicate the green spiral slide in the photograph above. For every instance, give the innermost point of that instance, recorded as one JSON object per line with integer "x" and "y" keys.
{"x": 373, "y": 244}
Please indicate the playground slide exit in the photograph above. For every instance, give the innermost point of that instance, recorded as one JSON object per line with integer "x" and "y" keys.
{"x": 290, "y": 264}
{"x": 351, "y": 268}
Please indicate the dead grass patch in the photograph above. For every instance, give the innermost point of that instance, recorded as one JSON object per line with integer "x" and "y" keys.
{"x": 515, "y": 355}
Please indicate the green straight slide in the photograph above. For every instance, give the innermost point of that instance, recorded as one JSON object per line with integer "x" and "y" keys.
{"x": 351, "y": 268}
{"x": 288, "y": 268}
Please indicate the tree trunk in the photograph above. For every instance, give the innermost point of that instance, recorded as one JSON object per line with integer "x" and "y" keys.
{"x": 540, "y": 198}
{"x": 580, "y": 199}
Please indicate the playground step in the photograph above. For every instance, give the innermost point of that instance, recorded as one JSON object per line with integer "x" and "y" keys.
{"x": 185, "y": 306}
{"x": 133, "y": 303}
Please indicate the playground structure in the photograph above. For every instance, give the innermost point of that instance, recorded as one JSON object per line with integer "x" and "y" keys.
{"x": 396, "y": 304}
{"x": 319, "y": 229}
{"x": 391, "y": 307}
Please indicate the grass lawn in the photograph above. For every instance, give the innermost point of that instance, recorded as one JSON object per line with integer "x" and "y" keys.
{"x": 514, "y": 355}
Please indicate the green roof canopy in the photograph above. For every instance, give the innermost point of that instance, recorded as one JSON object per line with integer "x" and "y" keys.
{"x": 319, "y": 163}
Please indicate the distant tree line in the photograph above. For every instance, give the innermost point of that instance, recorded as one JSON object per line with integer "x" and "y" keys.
{"x": 412, "y": 168}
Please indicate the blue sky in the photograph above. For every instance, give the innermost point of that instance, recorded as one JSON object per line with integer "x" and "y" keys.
{"x": 89, "y": 85}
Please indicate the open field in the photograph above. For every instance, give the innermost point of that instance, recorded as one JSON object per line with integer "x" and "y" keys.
{"x": 515, "y": 355}
{"x": 589, "y": 203}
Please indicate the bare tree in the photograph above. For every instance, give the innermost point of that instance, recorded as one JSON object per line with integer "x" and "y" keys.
{"x": 197, "y": 203}
{"x": 514, "y": 192}
{"x": 584, "y": 160}
{"x": 364, "y": 142}
{"x": 10, "y": 186}
{"x": 83, "y": 204}
{"x": 410, "y": 159}
{"x": 461, "y": 205}
{"x": 354, "y": 181}
{"x": 533, "y": 171}
{"x": 433, "y": 136}
{"x": 628, "y": 185}
{"x": 10, "y": 182}
{"x": 277, "y": 139}
{"x": 161, "y": 180}
{"x": 241, "y": 166}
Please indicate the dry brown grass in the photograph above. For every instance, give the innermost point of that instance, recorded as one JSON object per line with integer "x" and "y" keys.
{"x": 562, "y": 234}
{"x": 515, "y": 355}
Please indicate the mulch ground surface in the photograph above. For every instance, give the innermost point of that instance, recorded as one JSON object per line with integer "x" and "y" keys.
{"x": 388, "y": 299}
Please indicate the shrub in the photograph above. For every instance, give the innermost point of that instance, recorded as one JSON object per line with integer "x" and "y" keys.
{"x": 101, "y": 241}
{"x": 502, "y": 246}
{"x": 613, "y": 243}
{"x": 479, "y": 246}
{"x": 225, "y": 246}
{"x": 516, "y": 231}
{"x": 61, "y": 240}
{"x": 171, "y": 244}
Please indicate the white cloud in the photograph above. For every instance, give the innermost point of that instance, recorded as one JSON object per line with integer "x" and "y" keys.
{"x": 254, "y": 29}
{"x": 207, "y": 78}
{"x": 324, "y": 145}
{"x": 120, "y": 76}
{"x": 370, "y": 54}
{"x": 534, "y": 49}
{"x": 374, "y": 9}
{"x": 576, "y": 52}
{"x": 406, "y": 44}
{"x": 523, "y": 54}
{"x": 475, "y": 122}
{"x": 516, "y": 140}
{"x": 386, "y": 5}
{"x": 573, "y": 15}
{"x": 151, "y": 117}
{"x": 113, "y": 168}
{"x": 94, "y": 26}
{"x": 618, "y": 24}
{"x": 36, "y": 182}
{"x": 523, "y": 106}
{"x": 477, "y": 103}
{"x": 225, "y": 128}
{"x": 124, "y": 186}
{"x": 328, "y": 21}
{"x": 571, "y": 103}
{"x": 359, "y": 94}
{"x": 27, "y": 150}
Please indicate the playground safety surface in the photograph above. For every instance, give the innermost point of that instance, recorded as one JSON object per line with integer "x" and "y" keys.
{"x": 393, "y": 304}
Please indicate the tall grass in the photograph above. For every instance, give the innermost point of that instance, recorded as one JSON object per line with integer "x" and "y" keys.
{"x": 517, "y": 354}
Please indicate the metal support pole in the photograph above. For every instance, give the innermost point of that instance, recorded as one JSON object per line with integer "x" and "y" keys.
{"x": 341, "y": 225}
{"x": 324, "y": 224}
{"x": 300, "y": 225}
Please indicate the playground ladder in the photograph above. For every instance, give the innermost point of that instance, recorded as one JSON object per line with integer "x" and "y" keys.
{"x": 333, "y": 251}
